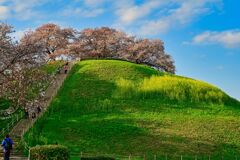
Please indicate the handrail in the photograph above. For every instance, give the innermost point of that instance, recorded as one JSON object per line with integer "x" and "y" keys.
{"x": 14, "y": 120}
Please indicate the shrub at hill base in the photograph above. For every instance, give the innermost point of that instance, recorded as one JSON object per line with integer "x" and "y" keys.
{"x": 49, "y": 152}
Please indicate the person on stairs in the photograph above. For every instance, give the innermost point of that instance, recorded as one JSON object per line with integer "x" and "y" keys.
{"x": 7, "y": 144}
{"x": 26, "y": 113}
{"x": 66, "y": 68}
{"x": 39, "y": 109}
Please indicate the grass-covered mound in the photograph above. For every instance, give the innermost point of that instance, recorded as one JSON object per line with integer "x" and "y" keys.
{"x": 116, "y": 107}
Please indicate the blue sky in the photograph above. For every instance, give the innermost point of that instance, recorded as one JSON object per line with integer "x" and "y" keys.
{"x": 203, "y": 36}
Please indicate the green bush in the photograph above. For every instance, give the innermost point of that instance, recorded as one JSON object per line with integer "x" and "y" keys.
{"x": 49, "y": 152}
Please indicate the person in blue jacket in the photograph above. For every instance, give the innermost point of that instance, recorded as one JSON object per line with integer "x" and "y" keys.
{"x": 7, "y": 145}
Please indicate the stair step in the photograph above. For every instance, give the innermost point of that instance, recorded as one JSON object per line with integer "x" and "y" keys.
{"x": 15, "y": 156}
{"x": 23, "y": 124}
{"x": 13, "y": 153}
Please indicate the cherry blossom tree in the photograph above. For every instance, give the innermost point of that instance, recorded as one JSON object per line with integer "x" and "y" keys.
{"x": 109, "y": 43}
{"x": 50, "y": 39}
{"x": 16, "y": 59}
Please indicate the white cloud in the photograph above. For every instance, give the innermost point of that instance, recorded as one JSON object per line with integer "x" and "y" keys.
{"x": 21, "y": 9}
{"x": 2, "y": 1}
{"x": 24, "y": 9}
{"x": 4, "y": 12}
{"x": 84, "y": 8}
{"x": 82, "y": 12}
{"x": 92, "y": 13}
{"x": 130, "y": 13}
{"x": 94, "y": 3}
{"x": 185, "y": 13}
{"x": 157, "y": 16}
{"x": 189, "y": 9}
{"x": 220, "y": 67}
{"x": 229, "y": 38}
{"x": 155, "y": 27}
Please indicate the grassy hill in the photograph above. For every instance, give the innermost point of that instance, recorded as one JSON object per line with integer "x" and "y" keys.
{"x": 121, "y": 108}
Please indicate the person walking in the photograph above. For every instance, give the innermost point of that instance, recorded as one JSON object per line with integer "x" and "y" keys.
{"x": 7, "y": 145}
{"x": 66, "y": 68}
{"x": 39, "y": 109}
{"x": 26, "y": 114}
{"x": 33, "y": 115}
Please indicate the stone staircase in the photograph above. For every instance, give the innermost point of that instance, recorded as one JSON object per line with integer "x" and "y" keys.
{"x": 23, "y": 125}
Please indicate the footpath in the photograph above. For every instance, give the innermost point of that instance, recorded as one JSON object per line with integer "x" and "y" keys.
{"x": 23, "y": 125}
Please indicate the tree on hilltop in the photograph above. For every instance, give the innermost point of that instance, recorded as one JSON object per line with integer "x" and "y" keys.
{"x": 50, "y": 39}
{"x": 105, "y": 42}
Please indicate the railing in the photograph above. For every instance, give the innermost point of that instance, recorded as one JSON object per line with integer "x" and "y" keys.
{"x": 15, "y": 118}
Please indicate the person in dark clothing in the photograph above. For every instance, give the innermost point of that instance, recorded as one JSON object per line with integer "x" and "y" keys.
{"x": 7, "y": 144}
{"x": 39, "y": 109}
{"x": 26, "y": 114}
{"x": 66, "y": 68}
{"x": 33, "y": 115}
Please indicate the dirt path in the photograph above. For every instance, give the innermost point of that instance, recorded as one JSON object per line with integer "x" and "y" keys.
{"x": 23, "y": 125}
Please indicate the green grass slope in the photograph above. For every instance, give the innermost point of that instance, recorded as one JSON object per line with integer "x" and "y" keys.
{"x": 121, "y": 108}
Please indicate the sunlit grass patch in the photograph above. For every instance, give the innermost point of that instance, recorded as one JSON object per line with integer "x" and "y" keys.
{"x": 172, "y": 88}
